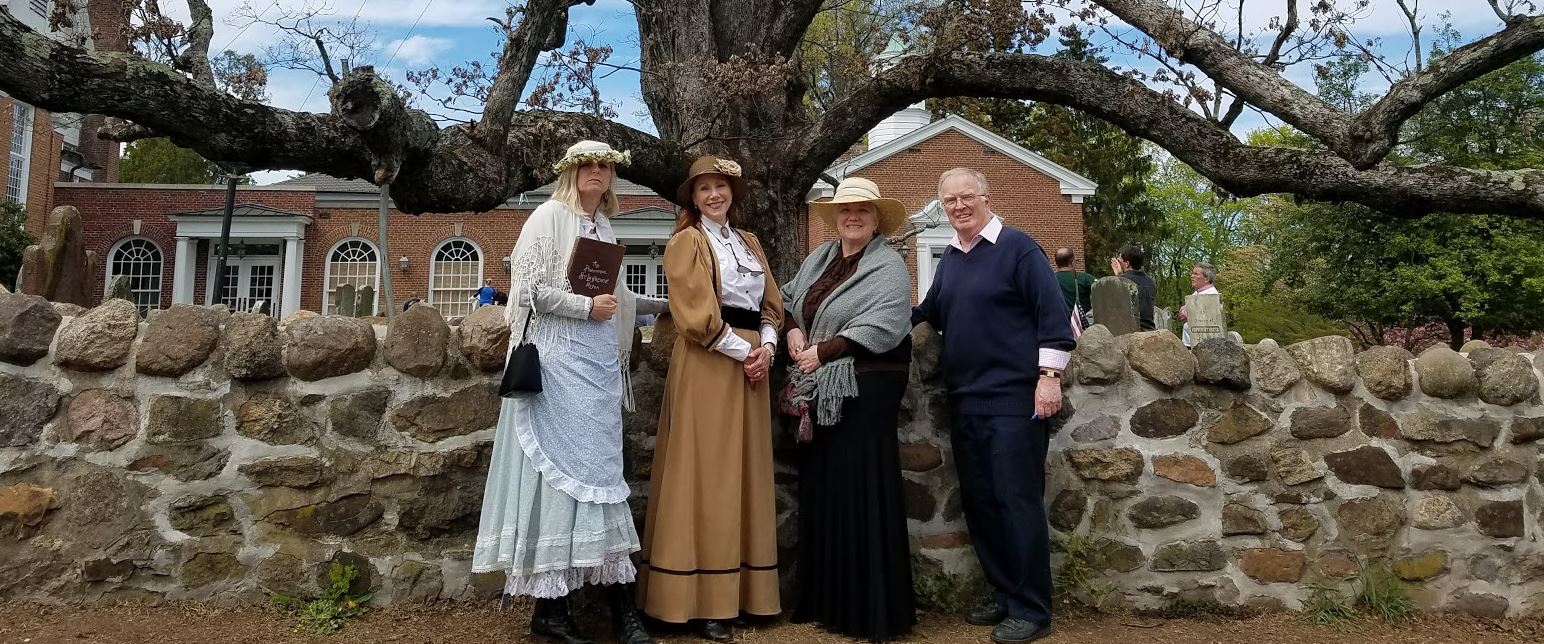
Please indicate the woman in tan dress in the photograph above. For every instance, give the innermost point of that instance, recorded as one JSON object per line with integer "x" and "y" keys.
{"x": 710, "y": 536}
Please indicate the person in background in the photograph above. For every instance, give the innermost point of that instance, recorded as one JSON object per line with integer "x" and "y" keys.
{"x": 1202, "y": 276}
{"x": 1006, "y": 341}
{"x": 1077, "y": 287}
{"x": 1129, "y": 264}
{"x": 486, "y": 294}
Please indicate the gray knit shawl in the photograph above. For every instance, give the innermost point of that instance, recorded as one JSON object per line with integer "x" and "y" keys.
{"x": 872, "y": 308}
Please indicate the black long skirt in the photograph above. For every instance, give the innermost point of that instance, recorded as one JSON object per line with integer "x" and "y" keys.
{"x": 854, "y": 561}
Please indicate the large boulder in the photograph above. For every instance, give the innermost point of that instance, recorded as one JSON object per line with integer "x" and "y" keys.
{"x": 1164, "y": 418}
{"x": 416, "y": 341}
{"x": 1274, "y": 370}
{"x": 1221, "y": 362}
{"x": 927, "y": 347}
{"x": 434, "y": 418}
{"x": 252, "y": 347}
{"x": 1385, "y": 371}
{"x": 101, "y": 420}
{"x": 1098, "y": 357}
{"x": 177, "y": 340}
{"x": 1320, "y": 422}
{"x": 328, "y": 346}
{"x": 1366, "y": 465}
{"x": 1444, "y": 373}
{"x": 274, "y": 420}
{"x": 27, "y": 326}
{"x": 1162, "y": 357}
{"x": 1329, "y": 362}
{"x": 101, "y": 339}
{"x": 485, "y": 338}
{"x": 1162, "y": 511}
{"x": 25, "y": 406}
{"x": 1505, "y": 378}
{"x": 1240, "y": 423}
{"x": 178, "y": 419}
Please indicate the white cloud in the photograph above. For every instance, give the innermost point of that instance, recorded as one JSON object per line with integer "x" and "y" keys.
{"x": 270, "y": 177}
{"x": 417, "y": 50}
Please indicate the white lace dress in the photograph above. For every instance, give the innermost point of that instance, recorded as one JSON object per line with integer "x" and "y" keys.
{"x": 555, "y": 515}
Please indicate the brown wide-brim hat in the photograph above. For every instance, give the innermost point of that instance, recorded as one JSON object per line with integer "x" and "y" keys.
{"x": 712, "y": 165}
{"x": 891, "y": 213}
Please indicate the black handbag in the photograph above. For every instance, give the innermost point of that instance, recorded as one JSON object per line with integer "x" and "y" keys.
{"x": 522, "y": 375}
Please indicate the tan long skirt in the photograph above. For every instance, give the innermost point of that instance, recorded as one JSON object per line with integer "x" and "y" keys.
{"x": 710, "y": 536}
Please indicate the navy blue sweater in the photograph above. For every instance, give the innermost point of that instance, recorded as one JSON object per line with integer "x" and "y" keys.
{"x": 996, "y": 307}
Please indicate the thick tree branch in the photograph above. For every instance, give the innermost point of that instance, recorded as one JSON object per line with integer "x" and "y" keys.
{"x": 1375, "y": 132}
{"x": 195, "y": 59}
{"x": 1241, "y": 169}
{"x": 543, "y": 27}
{"x": 371, "y": 134}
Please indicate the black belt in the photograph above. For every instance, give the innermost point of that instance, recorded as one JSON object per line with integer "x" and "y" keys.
{"x": 740, "y": 318}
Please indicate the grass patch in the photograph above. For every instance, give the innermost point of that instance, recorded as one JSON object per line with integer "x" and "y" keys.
{"x": 1326, "y": 606}
{"x": 1198, "y": 610}
{"x": 1078, "y": 578}
{"x": 327, "y": 614}
{"x": 1384, "y": 595}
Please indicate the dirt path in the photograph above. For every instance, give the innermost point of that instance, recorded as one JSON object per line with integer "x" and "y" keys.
{"x": 469, "y": 624}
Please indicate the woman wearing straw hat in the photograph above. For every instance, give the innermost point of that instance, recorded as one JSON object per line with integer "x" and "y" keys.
{"x": 710, "y": 536}
{"x": 555, "y": 515}
{"x": 849, "y": 311}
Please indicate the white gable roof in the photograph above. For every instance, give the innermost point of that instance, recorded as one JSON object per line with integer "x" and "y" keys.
{"x": 1074, "y": 185}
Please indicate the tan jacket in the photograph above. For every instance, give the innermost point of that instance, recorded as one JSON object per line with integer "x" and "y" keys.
{"x": 692, "y": 271}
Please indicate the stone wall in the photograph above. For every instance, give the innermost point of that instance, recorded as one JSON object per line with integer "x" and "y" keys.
{"x": 203, "y": 454}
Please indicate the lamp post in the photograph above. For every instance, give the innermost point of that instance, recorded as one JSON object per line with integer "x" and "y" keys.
{"x": 230, "y": 180}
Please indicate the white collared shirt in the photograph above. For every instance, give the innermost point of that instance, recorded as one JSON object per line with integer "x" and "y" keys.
{"x": 993, "y": 228}
{"x": 737, "y": 289}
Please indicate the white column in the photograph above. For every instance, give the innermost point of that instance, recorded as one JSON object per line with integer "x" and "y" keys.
{"x": 924, "y": 269}
{"x": 182, "y": 271}
{"x": 289, "y": 302}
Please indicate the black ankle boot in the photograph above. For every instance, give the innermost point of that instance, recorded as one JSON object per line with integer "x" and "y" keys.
{"x": 624, "y": 616}
{"x": 552, "y": 622}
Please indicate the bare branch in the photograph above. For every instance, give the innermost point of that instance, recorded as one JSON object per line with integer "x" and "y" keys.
{"x": 195, "y": 59}
{"x": 543, "y": 27}
{"x": 1242, "y": 169}
{"x": 1411, "y": 9}
{"x": 1374, "y": 133}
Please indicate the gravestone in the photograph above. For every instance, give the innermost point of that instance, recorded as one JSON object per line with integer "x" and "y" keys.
{"x": 59, "y": 268}
{"x": 1203, "y": 313}
{"x": 120, "y": 289}
{"x": 364, "y": 302}
{"x": 346, "y": 300}
{"x": 1114, "y": 300}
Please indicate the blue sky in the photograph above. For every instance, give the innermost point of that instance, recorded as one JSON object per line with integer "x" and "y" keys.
{"x": 416, "y": 34}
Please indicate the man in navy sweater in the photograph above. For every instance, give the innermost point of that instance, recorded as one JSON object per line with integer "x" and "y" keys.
{"x": 1006, "y": 340}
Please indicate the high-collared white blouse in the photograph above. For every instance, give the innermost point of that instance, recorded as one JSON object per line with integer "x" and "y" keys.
{"x": 741, "y": 289}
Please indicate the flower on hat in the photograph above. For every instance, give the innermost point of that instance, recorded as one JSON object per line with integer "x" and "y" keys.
{"x": 727, "y": 167}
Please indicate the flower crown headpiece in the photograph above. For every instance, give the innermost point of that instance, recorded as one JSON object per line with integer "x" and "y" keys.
{"x": 614, "y": 157}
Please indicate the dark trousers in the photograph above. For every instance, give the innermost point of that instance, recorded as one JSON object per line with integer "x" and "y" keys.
{"x": 1001, "y": 465}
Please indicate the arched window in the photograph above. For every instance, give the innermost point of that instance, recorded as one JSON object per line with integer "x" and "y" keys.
{"x": 139, "y": 260}
{"x": 354, "y": 262}
{"x": 454, "y": 277}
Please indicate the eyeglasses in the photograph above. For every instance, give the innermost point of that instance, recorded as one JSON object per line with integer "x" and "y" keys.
{"x": 967, "y": 200}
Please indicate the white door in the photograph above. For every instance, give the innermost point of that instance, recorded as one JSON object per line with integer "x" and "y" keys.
{"x": 250, "y": 282}
{"x": 645, "y": 276}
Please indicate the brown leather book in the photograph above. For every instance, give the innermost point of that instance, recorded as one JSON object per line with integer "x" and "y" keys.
{"x": 595, "y": 266}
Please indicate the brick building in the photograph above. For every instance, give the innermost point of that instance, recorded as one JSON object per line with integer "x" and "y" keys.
{"x": 295, "y": 242}
{"x": 41, "y": 147}
{"x": 908, "y": 152}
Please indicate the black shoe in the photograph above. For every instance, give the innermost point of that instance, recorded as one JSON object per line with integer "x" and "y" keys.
{"x": 624, "y": 617}
{"x": 1018, "y": 631}
{"x": 989, "y": 613}
{"x": 552, "y": 622}
{"x": 716, "y": 630}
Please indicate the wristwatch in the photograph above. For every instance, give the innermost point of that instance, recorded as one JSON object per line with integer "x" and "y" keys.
{"x": 1050, "y": 373}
